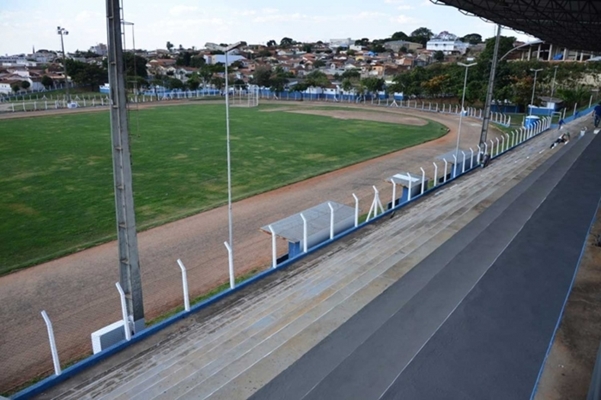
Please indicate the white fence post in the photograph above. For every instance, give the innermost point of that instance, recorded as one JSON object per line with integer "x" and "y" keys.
{"x": 52, "y": 340}
{"x": 410, "y": 184}
{"x": 124, "y": 315}
{"x": 356, "y": 210}
{"x": 184, "y": 285}
{"x": 463, "y": 164}
{"x": 454, "y": 165}
{"x": 497, "y": 147}
{"x": 446, "y": 165}
{"x": 331, "y": 220}
{"x": 230, "y": 259}
{"x": 393, "y": 192}
{"x": 304, "y": 233}
{"x": 423, "y": 180}
{"x": 274, "y": 249}
{"x": 479, "y": 154}
{"x": 435, "y": 174}
{"x": 471, "y": 158}
{"x": 485, "y": 147}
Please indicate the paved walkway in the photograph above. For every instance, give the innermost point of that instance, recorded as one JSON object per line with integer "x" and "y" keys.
{"x": 239, "y": 349}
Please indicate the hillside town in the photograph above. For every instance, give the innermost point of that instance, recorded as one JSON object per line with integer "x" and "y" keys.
{"x": 349, "y": 65}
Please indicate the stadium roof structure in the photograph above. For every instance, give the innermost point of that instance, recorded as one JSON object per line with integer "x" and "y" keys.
{"x": 572, "y": 24}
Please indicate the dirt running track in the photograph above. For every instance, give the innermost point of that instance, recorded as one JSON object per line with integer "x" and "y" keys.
{"x": 78, "y": 291}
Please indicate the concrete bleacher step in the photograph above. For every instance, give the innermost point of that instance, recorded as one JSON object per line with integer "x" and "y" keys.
{"x": 343, "y": 282}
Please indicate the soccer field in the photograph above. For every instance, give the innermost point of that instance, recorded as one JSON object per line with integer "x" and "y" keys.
{"x": 57, "y": 185}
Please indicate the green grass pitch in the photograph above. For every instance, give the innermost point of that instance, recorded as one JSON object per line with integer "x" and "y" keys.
{"x": 56, "y": 191}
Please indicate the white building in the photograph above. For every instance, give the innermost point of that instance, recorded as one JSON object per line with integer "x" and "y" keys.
{"x": 335, "y": 43}
{"x": 447, "y": 43}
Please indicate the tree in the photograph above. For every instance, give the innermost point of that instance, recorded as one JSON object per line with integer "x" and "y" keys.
{"x": 317, "y": 79}
{"x": 261, "y": 77}
{"x": 272, "y": 43}
{"x": 169, "y": 46}
{"x": 403, "y": 49}
{"x": 472, "y": 38}
{"x": 83, "y": 74}
{"x": 439, "y": 56}
{"x": 319, "y": 64}
{"x": 399, "y": 36}
{"x": 205, "y": 73}
{"x": 174, "y": 83}
{"x": 286, "y": 42}
{"x": 421, "y": 35}
{"x": 278, "y": 80}
{"x": 218, "y": 82}
{"x": 194, "y": 81}
{"x": 47, "y": 81}
{"x": 135, "y": 65}
{"x": 362, "y": 42}
{"x": 373, "y": 84}
{"x": 264, "y": 53}
{"x": 351, "y": 52}
{"x": 16, "y": 86}
{"x": 351, "y": 74}
{"x": 307, "y": 48}
{"x": 25, "y": 85}
{"x": 347, "y": 85}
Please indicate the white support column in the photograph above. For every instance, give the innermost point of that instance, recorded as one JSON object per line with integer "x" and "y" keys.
{"x": 463, "y": 164}
{"x": 492, "y": 149}
{"x": 52, "y": 341}
{"x": 506, "y": 142}
{"x": 124, "y": 315}
{"x": 485, "y": 147}
{"x": 435, "y": 174}
{"x": 497, "y": 147}
{"x": 331, "y": 220}
{"x": 393, "y": 192}
{"x": 274, "y": 248}
{"x": 409, "y": 189}
{"x": 230, "y": 265}
{"x": 479, "y": 154}
{"x": 423, "y": 180}
{"x": 184, "y": 285}
{"x": 304, "y": 233}
{"x": 471, "y": 158}
{"x": 356, "y": 210}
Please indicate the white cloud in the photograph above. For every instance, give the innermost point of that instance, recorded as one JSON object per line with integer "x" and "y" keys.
{"x": 178, "y": 11}
{"x": 405, "y": 19}
{"x": 405, "y": 7}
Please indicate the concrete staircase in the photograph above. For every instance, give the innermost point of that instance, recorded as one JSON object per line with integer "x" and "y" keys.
{"x": 233, "y": 353}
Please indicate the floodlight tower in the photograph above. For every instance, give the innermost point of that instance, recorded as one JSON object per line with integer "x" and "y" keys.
{"x": 62, "y": 32}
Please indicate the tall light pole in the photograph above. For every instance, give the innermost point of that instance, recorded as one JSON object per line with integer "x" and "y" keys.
{"x": 536, "y": 71}
{"x": 491, "y": 80}
{"x": 62, "y": 31}
{"x": 467, "y": 66}
{"x": 553, "y": 84}
{"x": 129, "y": 260}
{"x": 229, "y": 164}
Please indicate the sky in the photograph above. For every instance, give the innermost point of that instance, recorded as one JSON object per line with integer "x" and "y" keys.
{"x": 25, "y": 24}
